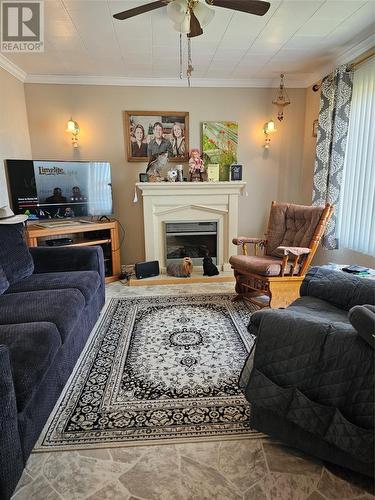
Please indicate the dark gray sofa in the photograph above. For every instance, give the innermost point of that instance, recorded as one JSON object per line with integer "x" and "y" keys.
{"x": 51, "y": 301}
{"x": 310, "y": 376}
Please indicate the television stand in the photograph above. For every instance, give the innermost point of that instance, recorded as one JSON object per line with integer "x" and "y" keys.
{"x": 104, "y": 234}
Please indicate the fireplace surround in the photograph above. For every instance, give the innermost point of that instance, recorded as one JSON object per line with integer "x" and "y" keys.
{"x": 167, "y": 205}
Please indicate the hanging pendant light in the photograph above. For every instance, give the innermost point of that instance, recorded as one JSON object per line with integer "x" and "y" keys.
{"x": 281, "y": 99}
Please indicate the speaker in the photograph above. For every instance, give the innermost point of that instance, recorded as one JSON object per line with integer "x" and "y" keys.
{"x": 147, "y": 269}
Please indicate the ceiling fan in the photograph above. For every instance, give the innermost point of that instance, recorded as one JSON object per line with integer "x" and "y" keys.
{"x": 189, "y": 16}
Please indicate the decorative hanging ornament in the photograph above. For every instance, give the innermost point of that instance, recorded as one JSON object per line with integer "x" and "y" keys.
{"x": 281, "y": 99}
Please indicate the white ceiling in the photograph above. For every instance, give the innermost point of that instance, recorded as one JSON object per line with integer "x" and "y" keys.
{"x": 302, "y": 38}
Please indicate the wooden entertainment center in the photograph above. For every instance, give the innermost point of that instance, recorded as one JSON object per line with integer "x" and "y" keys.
{"x": 104, "y": 234}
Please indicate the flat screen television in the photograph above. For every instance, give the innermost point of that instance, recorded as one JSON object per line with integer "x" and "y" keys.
{"x": 59, "y": 189}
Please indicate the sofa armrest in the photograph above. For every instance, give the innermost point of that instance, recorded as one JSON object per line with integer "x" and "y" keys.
{"x": 11, "y": 457}
{"x": 52, "y": 260}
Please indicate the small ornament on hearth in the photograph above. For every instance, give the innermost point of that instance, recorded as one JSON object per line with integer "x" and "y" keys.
{"x": 196, "y": 166}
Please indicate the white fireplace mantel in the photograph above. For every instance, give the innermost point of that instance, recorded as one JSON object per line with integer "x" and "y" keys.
{"x": 190, "y": 201}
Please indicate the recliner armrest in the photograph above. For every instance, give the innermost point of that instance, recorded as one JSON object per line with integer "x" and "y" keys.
{"x": 363, "y": 320}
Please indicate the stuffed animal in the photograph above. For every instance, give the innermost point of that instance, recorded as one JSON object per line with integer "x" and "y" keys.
{"x": 209, "y": 268}
{"x": 181, "y": 269}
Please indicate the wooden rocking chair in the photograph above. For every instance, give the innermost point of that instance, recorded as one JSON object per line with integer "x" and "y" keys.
{"x": 292, "y": 238}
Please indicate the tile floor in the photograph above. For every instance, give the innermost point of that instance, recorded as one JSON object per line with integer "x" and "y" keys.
{"x": 247, "y": 469}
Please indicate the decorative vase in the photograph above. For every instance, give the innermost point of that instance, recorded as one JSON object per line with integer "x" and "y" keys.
{"x": 224, "y": 172}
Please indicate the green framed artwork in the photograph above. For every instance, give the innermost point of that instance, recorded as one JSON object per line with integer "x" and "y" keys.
{"x": 219, "y": 145}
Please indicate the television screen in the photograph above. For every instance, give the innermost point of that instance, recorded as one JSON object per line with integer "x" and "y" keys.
{"x": 59, "y": 189}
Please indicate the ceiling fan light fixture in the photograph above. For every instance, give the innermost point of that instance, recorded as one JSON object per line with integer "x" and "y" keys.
{"x": 177, "y": 11}
{"x": 203, "y": 13}
{"x": 183, "y": 27}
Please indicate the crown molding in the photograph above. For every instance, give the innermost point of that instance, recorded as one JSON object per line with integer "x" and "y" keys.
{"x": 161, "y": 82}
{"x": 345, "y": 57}
{"x": 12, "y": 68}
{"x": 349, "y": 55}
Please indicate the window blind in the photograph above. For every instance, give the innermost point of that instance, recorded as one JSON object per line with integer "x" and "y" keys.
{"x": 356, "y": 221}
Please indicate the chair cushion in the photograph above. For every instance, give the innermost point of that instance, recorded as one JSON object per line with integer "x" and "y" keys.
{"x": 32, "y": 348}
{"x": 291, "y": 226}
{"x": 87, "y": 282}
{"x": 265, "y": 265}
{"x": 4, "y": 283}
{"x": 15, "y": 258}
{"x": 62, "y": 307}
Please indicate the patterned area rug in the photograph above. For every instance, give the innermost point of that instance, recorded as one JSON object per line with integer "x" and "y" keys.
{"x": 157, "y": 369}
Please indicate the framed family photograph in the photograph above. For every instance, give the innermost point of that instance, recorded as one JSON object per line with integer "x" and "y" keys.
{"x": 149, "y": 133}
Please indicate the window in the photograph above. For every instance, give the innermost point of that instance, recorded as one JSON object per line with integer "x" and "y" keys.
{"x": 356, "y": 222}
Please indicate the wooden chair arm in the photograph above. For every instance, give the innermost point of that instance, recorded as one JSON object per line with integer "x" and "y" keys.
{"x": 296, "y": 252}
{"x": 243, "y": 241}
{"x": 293, "y": 250}
{"x": 240, "y": 240}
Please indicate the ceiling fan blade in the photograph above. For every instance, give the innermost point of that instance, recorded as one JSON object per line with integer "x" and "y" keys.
{"x": 256, "y": 7}
{"x": 140, "y": 10}
{"x": 195, "y": 27}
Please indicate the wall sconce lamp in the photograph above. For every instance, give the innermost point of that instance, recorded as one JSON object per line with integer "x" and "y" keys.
{"x": 73, "y": 128}
{"x": 268, "y": 128}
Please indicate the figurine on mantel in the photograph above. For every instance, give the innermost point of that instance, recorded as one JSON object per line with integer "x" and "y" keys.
{"x": 196, "y": 166}
{"x": 155, "y": 167}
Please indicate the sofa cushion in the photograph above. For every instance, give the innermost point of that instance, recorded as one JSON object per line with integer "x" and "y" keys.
{"x": 15, "y": 258}
{"x": 309, "y": 308}
{"x": 32, "y": 348}
{"x": 320, "y": 310}
{"x": 62, "y": 307}
{"x": 266, "y": 266}
{"x": 87, "y": 282}
{"x": 4, "y": 283}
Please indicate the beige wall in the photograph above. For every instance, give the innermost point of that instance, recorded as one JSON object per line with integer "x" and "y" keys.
{"x": 14, "y": 132}
{"x": 274, "y": 174}
{"x": 342, "y": 256}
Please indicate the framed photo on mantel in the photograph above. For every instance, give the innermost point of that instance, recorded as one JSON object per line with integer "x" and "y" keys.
{"x": 149, "y": 133}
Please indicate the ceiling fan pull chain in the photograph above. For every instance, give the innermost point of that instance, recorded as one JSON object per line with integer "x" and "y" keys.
{"x": 181, "y": 70}
{"x": 190, "y": 68}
